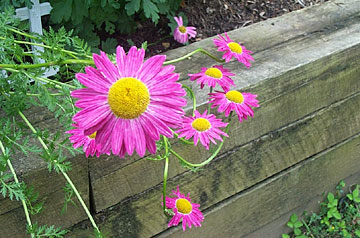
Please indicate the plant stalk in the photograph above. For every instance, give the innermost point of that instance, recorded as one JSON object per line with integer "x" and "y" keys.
{"x": 28, "y": 220}
{"x": 63, "y": 172}
{"x": 194, "y": 52}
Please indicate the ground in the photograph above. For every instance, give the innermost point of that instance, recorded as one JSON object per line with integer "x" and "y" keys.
{"x": 211, "y": 17}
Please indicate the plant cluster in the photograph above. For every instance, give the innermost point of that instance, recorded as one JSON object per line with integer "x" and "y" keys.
{"x": 124, "y": 105}
{"x": 88, "y": 18}
{"x": 339, "y": 216}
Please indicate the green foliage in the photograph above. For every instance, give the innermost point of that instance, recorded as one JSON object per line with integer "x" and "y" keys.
{"x": 339, "y": 216}
{"x": 24, "y": 89}
{"x": 4, "y": 4}
{"x": 46, "y": 231}
{"x": 69, "y": 194}
{"x": 89, "y": 18}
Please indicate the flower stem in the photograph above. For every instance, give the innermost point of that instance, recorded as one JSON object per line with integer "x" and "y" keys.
{"x": 209, "y": 106}
{"x": 194, "y": 52}
{"x": 166, "y": 167}
{"x": 192, "y": 96}
{"x": 209, "y": 159}
{"x": 46, "y": 64}
{"x": 183, "y": 140}
{"x": 22, "y": 33}
{"x": 28, "y": 220}
{"x": 63, "y": 173}
{"x": 69, "y": 52}
{"x": 46, "y": 80}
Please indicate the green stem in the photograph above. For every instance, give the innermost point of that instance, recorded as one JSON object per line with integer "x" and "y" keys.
{"x": 192, "y": 96}
{"x": 209, "y": 159}
{"x": 63, "y": 172}
{"x": 69, "y": 52}
{"x": 209, "y": 106}
{"x": 166, "y": 167}
{"x": 46, "y": 64}
{"x": 307, "y": 228}
{"x": 46, "y": 80}
{"x": 183, "y": 140}
{"x": 22, "y": 33}
{"x": 28, "y": 220}
{"x": 194, "y": 52}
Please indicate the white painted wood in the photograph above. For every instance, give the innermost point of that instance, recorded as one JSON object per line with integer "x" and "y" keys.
{"x": 23, "y": 13}
{"x": 34, "y": 16}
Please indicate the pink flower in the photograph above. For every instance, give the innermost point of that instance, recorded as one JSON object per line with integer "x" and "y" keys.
{"x": 202, "y": 126}
{"x": 233, "y": 100}
{"x": 213, "y": 75}
{"x": 182, "y": 34}
{"x": 130, "y": 104}
{"x": 184, "y": 209}
{"x": 88, "y": 142}
{"x": 232, "y": 48}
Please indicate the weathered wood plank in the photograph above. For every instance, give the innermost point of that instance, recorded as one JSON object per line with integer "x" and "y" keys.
{"x": 241, "y": 168}
{"x": 284, "y": 99}
{"x": 264, "y": 38}
{"x": 293, "y": 188}
{"x": 12, "y": 217}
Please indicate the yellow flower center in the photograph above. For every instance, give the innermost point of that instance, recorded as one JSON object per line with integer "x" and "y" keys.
{"x": 182, "y": 29}
{"x": 183, "y": 206}
{"x": 213, "y": 72}
{"x": 235, "y": 47}
{"x": 92, "y": 136}
{"x": 201, "y": 124}
{"x": 234, "y": 96}
{"x": 128, "y": 98}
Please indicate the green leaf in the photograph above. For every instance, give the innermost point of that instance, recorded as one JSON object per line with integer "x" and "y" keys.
{"x": 298, "y": 224}
{"x": 144, "y": 45}
{"x": 350, "y": 196}
{"x": 285, "y": 236}
{"x": 293, "y": 218}
{"x": 297, "y": 231}
{"x": 103, "y": 3}
{"x": 132, "y": 6}
{"x": 357, "y": 233}
{"x": 290, "y": 224}
{"x": 337, "y": 215}
{"x": 330, "y": 197}
{"x": 151, "y": 10}
{"x": 61, "y": 11}
{"x": 329, "y": 214}
{"x": 109, "y": 46}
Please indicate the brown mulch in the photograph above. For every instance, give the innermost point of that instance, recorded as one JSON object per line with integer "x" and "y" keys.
{"x": 211, "y": 17}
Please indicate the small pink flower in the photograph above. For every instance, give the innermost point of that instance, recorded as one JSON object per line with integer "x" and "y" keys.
{"x": 184, "y": 209}
{"x": 182, "y": 34}
{"x": 88, "y": 142}
{"x": 213, "y": 75}
{"x": 205, "y": 127}
{"x": 232, "y": 48}
{"x": 233, "y": 100}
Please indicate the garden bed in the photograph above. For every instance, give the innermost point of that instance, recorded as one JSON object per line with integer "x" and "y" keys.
{"x": 302, "y": 141}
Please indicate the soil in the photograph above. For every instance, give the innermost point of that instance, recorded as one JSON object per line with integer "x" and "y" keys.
{"x": 210, "y": 17}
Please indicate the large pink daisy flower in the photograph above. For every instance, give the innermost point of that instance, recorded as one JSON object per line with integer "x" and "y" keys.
{"x": 213, "y": 75}
{"x": 233, "y": 49}
{"x": 182, "y": 34}
{"x": 233, "y": 100}
{"x": 204, "y": 127}
{"x": 88, "y": 142}
{"x": 131, "y": 103}
{"x": 184, "y": 209}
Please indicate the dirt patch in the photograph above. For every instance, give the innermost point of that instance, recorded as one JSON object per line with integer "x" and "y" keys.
{"x": 210, "y": 17}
